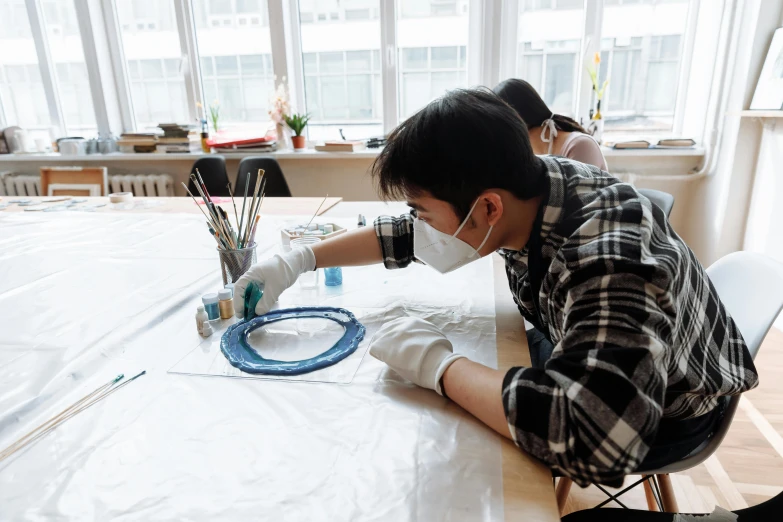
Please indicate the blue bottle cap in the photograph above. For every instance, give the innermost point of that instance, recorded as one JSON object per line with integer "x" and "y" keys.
{"x": 209, "y": 299}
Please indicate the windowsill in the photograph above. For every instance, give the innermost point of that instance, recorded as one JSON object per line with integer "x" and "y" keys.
{"x": 653, "y": 153}
{"x": 309, "y": 154}
{"x": 154, "y": 156}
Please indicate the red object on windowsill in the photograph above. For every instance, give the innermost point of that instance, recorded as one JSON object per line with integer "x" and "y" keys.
{"x": 226, "y": 139}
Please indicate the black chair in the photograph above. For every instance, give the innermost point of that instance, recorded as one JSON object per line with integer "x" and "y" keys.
{"x": 213, "y": 172}
{"x": 663, "y": 200}
{"x": 276, "y": 186}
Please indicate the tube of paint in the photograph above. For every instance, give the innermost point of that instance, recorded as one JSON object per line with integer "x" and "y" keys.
{"x": 211, "y": 306}
{"x": 226, "y": 303}
{"x": 201, "y": 317}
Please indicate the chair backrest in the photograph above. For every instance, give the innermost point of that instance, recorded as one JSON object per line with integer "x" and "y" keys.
{"x": 751, "y": 288}
{"x": 213, "y": 172}
{"x": 276, "y": 186}
{"x": 663, "y": 200}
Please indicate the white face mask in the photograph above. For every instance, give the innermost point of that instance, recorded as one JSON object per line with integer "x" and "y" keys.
{"x": 441, "y": 251}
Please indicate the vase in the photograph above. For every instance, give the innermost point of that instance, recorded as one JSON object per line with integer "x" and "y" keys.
{"x": 596, "y": 127}
{"x": 282, "y": 137}
{"x": 299, "y": 142}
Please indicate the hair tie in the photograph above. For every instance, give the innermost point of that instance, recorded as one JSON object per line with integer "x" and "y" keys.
{"x": 549, "y": 124}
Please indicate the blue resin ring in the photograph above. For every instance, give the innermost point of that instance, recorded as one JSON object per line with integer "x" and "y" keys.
{"x": 240, "y": 354}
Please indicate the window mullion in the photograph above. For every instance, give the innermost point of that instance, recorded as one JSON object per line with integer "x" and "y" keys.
{"x": 186, "y": 29}
{"x": 509, "y": 38}
{"x": 119, "y": 66}
{"x": 685, "y": 65}
{"x": 591, "y": 44}
{"x": 286, "y": 49}
{"x": 97, "y": 59}
{"x": 45, "y": 64}
{"x": 388, "y": 56}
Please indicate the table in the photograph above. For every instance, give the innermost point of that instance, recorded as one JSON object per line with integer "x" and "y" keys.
{"x": 271, "y": 206}
{"x": 44, "y": 355}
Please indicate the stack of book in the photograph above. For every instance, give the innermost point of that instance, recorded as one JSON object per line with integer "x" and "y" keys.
{"x": 242, "y": 142}
{"x": 178, "y": 139}
{"x": 130, "y": 142}
{"x": 669, "y": 143}
{"x": 341, "y": 146}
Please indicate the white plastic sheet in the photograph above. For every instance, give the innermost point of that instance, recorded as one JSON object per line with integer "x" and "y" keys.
{"x": 84, "y": 297}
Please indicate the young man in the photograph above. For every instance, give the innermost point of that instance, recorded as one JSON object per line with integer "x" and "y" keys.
{"x": 643, "y": 352}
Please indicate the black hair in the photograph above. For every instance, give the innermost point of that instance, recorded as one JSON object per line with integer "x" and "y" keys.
{"x": 524, "y": 99}
{"x": 457, "y": 147}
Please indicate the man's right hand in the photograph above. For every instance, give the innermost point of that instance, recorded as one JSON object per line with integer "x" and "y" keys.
{"x": 276, "y": 273}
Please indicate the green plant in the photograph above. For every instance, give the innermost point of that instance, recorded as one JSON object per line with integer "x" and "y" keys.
{"x": 297, "y": 122}
{"x": 214, "y": 114}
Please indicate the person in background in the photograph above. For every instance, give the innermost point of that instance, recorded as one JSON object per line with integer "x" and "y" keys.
{"x": 550, "y": 133}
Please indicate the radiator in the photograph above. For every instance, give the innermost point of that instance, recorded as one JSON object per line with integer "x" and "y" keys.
{"x": 143, "y": 185}
{"x": 19, "y": 184}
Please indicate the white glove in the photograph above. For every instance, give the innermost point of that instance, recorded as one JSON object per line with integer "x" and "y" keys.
{"x": 277, "y": 273}
{"x": 416, "y": 349}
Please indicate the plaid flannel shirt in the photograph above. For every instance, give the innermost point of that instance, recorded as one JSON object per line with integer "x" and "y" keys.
{"x": 639, "y": 331}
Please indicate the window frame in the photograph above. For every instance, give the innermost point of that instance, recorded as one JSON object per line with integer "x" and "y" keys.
{"x": 591, "y": 43}
{"x": 493, "y": 52}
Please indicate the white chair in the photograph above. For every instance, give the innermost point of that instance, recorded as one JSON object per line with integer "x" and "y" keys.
{"x": 751, "y": 288}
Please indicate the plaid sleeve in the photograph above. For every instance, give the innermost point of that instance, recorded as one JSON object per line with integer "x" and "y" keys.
{"x": 593, "y": 411}
{"x": 395, "y": 235}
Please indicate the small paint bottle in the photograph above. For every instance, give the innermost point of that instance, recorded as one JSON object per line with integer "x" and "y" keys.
{"x": 226, "y": 303}
{"x": 201, "y": 318}
{"x": 230, "y": 286}
{"x": 211, "y": 306}
{"x": 207, "y": 330}
{"x": 333, "y": 276}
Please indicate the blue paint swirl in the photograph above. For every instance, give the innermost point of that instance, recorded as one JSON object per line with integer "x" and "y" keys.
{"x": 240, "y": 354}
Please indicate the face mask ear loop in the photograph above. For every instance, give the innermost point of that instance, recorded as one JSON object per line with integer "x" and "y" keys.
{"x": 464, "y": 222}
{"x": 478, "y": 250}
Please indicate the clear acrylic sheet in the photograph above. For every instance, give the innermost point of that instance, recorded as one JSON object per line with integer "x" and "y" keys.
{"x": 85, "y": 296}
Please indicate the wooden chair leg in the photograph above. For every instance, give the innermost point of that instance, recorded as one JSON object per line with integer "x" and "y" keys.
{"x": 652, "y": 505}
{"x": 561, "y": 492}
{"x": 667, "y": 494}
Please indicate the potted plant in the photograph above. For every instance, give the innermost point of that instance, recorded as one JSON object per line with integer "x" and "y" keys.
{"x": 297, "y": 123}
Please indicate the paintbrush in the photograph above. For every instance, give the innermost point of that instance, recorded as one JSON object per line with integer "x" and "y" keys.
{"x": 316, "y": 212}
{"x": 231, "y": 193}
{"x": 259, "y": 177}
{"x": 203, "y": 185}
{"x": 244, "y": 201}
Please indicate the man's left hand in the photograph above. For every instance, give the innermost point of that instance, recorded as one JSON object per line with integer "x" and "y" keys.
{"x": 416, "y": 349}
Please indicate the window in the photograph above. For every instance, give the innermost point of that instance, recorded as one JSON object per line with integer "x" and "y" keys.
{"x": 432, "y": 37}
{"x": 152, "y": 53}
{"x": 21, "y": 90}
{"x": 72, "y": 83}
{"x": 549, "y": 44}
{"x": 642, "y": 62}
{"x": 235, "y": 54}
{"x": 342, "y": 68}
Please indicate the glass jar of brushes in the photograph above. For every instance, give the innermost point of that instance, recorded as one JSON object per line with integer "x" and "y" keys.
{"x": 234, "y": 263}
